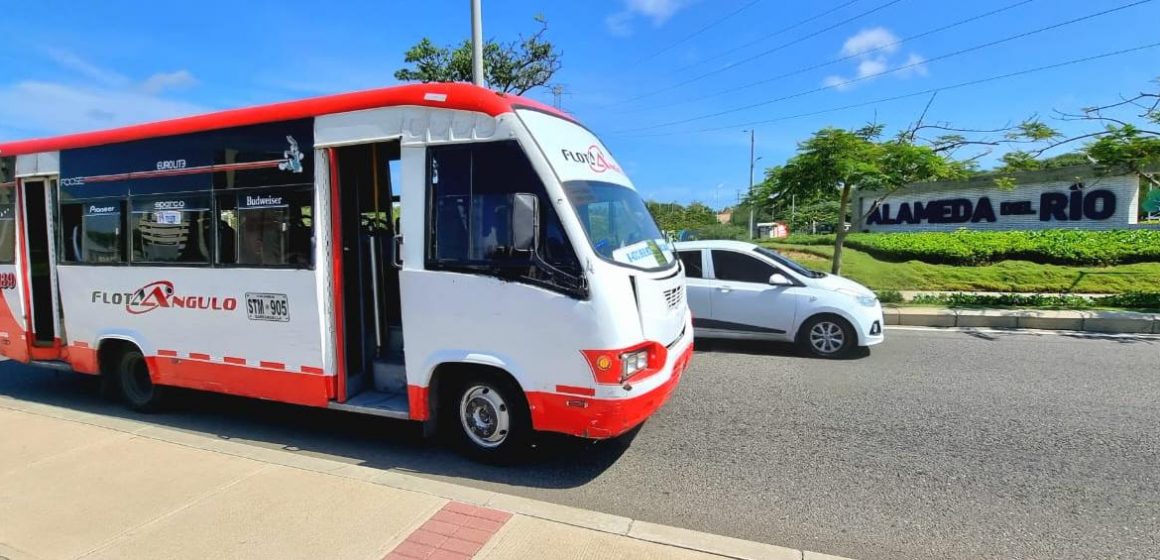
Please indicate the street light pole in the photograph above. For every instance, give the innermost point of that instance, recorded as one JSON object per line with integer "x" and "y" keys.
{"x": 476, "y": 42}
{"x": 752, "y": 162}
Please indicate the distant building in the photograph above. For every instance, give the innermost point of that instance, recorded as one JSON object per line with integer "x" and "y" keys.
{"x": 1065, "y": 198}
{"x": 725, "y": 216}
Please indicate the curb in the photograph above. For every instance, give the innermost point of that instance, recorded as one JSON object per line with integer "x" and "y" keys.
{"x": 719, "y": 545}
{"x": 1106, "y": 322}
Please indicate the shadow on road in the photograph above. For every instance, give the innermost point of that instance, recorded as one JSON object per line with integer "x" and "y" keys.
{"x": 557, "y": 462}
{"x": 765, "y": 348}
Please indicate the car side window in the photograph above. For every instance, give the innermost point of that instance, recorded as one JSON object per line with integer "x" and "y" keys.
{"x": 737, "y": 267}
{"x": 692, "y": 262}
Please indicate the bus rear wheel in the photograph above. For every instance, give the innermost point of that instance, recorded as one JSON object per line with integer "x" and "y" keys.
{"x": 491, "y": 420}
{"x": 137, "y": 387}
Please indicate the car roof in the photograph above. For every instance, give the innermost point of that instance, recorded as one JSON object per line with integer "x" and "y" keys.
{"x": 715, "y": 244}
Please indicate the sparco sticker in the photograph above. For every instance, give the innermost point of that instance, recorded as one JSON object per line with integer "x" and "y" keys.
{"x": 161, "y": 294}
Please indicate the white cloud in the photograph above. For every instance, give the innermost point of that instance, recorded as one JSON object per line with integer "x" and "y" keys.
{"x": 44, "y": 107}
{"x": 162, "y": 81}
{"x": 71, "y": 61}
{"x": 837, "y": 82}
{"x": 656, "y": 11}
{"x": 915, "y": 65}
{"x": 872, "y": 66}
{"x": 878, "y": 39}
{"x": 92, "y": 98}
{"x": 874, "y": 50}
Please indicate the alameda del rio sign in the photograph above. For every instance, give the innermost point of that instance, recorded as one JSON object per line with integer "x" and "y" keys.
{"x": 1074, "y": 205}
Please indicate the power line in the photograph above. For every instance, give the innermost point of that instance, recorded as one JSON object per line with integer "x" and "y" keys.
{"x": 898, "y": 69}
{"x": 766, "y": 52}
{"x": 907, "y": 95}
{"x": 845, "y": 58}
{"x": 785, "y": 29}
{"x": 703, "y": 29}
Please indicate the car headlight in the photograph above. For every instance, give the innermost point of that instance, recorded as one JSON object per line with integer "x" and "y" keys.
{"x": 867, "y": 300}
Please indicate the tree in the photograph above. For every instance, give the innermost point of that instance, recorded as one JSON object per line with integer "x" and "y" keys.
{"x": 834, "y": 160}
{"x": 1120, "y": 144}
{"x": 516, "y": 67}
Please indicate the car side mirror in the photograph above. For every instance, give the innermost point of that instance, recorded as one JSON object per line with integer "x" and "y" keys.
{"x": 779, "y": 279}
{"x": 525, "y": 224}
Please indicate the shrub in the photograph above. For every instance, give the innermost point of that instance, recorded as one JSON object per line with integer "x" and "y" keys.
{"x": 966, "y": 247}
{"x": 721, "y": 231}
{"x": 889, "y": 296}
{"x": 1129, "y": 300}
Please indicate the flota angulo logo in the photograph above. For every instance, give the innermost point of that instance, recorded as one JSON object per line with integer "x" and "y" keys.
{"x": 161, "y": 294}
{"x": 594, "y": 157}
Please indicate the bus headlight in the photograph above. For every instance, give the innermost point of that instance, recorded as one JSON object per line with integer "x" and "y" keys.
{"x": 633, "y": 362}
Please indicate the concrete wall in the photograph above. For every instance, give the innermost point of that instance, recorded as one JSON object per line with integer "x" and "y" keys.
{"x": 1057, "y": 199}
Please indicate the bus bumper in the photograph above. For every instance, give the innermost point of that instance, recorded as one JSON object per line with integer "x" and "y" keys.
{"x": 595, "y": 418}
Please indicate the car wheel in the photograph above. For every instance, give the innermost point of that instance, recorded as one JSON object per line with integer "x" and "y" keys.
{"x": 828, "y": 336}
{"x": 492, "y": 423}
{"x": 137, "y": 387}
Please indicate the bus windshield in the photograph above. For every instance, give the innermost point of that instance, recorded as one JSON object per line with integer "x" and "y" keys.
{"x": 618, "y": 224}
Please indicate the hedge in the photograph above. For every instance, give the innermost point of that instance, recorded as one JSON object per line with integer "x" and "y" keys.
{"x": 1066, "y": 247}
{"x": 1129, "y": 300}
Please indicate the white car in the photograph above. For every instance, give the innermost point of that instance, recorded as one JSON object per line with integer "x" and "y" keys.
{"x": 743, "y": 291}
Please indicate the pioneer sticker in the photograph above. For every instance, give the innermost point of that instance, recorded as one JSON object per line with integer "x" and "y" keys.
{"x": 267, "y": 307}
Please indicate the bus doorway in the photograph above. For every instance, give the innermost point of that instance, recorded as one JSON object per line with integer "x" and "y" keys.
{"x": 37, "y": 198}
{"x": 372, "y": 319}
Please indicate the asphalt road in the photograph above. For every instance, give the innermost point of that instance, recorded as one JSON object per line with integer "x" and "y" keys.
{"x": 937, "y": 445}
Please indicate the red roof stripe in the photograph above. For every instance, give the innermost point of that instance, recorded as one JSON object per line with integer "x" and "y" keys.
{"x": 465, "y": 97}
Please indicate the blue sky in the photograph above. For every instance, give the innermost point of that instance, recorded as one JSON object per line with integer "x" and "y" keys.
{"x": 83, "y": 65}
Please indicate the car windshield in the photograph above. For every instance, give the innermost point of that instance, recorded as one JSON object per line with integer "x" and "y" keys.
{"x": 618, "y": 224}
{"x": 788, "y": 263}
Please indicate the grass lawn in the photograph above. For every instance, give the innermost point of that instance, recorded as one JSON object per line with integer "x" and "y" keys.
{"x": 1006, "y": 276}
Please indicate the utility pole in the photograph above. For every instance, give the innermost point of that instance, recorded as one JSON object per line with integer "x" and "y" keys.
{"x": 752, "y": 162}
{"x": 476, "y": 42}
{"x": 558, "y": 92}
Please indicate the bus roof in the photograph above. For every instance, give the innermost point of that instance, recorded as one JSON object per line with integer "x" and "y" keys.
{"x": 464, "y": 97}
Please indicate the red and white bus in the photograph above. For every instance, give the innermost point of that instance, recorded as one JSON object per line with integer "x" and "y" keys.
{"x": 417, "y": 252}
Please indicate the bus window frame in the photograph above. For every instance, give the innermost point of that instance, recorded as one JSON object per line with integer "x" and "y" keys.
{"x": 235, "y": 192}
{"x": 121, "y": 201}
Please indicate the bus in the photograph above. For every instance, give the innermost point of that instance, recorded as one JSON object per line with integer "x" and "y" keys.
{"x": 441, "y": 253}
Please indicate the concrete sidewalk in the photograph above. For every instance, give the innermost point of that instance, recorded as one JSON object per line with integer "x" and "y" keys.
{"x": 1115, "y": 322}
{"x": 81, "y": 485}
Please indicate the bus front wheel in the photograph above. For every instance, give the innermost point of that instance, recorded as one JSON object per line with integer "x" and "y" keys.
{"x": 137, "y": 387}
{"x": 491, "y": 419}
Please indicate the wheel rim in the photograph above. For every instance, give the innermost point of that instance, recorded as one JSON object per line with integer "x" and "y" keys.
{"x": 139, "y": 385}
{"x": 485, "y": 416}
{"x": 827, "y": 337}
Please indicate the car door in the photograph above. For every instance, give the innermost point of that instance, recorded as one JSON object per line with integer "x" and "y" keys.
{"x": 742, "y": 299}
{"x": 698, "y": 288}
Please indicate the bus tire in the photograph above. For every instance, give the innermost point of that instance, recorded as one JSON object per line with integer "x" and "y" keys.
{"x": 137, "y": 388}
{"x": 488, "y": 417}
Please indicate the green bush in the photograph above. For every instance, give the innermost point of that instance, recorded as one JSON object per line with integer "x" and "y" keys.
{"x": 1129, "y": 300}
{"x": 965, "y": 247}
{"x": 889, "y": 296}
{"x": 721, "y": 231}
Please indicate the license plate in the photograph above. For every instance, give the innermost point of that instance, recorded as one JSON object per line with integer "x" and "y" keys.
{"x": 267, "y": 307}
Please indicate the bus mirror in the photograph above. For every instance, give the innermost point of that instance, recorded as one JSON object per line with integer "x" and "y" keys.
{"x": 525, "y": 222}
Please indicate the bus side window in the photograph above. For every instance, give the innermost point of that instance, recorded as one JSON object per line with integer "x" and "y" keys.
{"x": 91, "y": 232}
{"x": 266, "y": 228}
{"x": 171, "y": 229}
